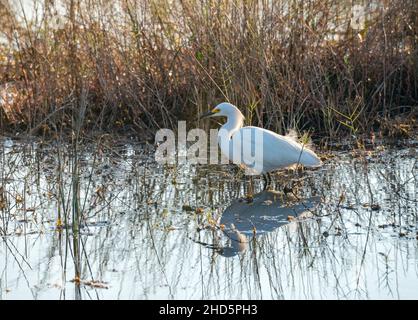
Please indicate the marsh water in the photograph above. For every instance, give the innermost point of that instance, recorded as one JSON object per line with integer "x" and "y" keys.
{"x": 108, "y": 222}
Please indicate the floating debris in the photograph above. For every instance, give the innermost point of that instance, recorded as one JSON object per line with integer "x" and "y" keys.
{"x": 267, "y": 203}
{"x": 373, "y": 206}
{"x": 91, "y": 283}
{"x": 59, "y": 224}
{"x": 186, "y": 207}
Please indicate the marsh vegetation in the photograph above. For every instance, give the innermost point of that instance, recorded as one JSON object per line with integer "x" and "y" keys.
{"x": 328, "y": 67}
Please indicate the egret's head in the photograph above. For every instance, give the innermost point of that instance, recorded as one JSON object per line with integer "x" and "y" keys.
{"x": 223, "y": 109}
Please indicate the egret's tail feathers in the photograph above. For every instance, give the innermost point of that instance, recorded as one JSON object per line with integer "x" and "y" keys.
{"x": 306, "y": 140}
{"x": 292, "y": 135}
{"x": 309, "y": 159}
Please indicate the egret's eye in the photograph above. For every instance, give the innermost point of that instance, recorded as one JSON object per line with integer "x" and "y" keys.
{"x": 215, "y": 110}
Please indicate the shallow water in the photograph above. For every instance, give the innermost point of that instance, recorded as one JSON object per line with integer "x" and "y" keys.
{"x": 346, "y": 231}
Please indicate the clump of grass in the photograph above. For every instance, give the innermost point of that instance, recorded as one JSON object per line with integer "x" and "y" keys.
{"x": 136, "y": 66}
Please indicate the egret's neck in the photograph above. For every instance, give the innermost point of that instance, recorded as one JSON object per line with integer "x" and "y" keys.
{"x": 232, "y": 125}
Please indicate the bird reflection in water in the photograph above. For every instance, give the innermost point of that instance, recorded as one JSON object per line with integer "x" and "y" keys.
{"x": 244, "y": 219}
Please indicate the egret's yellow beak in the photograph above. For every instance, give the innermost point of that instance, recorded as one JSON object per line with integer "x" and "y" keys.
{"x": 209, "y": 113}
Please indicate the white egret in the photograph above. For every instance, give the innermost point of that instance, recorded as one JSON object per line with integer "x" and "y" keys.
{"x": 277, "y": 151}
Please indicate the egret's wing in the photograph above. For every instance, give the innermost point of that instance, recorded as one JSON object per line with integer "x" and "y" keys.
{"x": 260, "y": 146}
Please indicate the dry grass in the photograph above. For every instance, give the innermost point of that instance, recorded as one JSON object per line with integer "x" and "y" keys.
{"x": 136, "y": 66}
